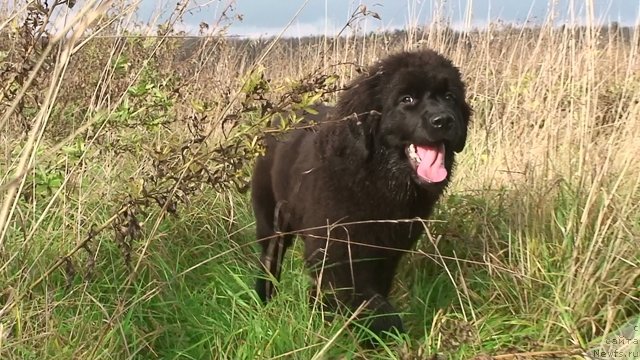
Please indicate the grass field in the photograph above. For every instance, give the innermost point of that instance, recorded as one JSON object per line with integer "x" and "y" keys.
{"x": 126, "y": 233}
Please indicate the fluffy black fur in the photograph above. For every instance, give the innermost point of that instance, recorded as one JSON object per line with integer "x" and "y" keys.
{"x": 330, "y": 185}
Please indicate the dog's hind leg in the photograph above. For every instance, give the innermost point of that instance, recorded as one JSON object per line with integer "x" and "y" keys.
{"x": 274, "y": 244}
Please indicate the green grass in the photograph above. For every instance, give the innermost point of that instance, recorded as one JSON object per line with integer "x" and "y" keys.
{"x": 193, "y": 297}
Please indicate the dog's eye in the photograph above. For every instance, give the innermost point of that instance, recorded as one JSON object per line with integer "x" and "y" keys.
{"x": 407, "y": 99}
{"x": 449, "y": 97}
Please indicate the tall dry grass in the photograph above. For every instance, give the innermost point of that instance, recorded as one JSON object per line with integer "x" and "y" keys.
{"x": 547, "y": 190}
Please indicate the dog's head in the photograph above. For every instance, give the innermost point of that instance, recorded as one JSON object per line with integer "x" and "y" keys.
{"x": 425, "y": 116}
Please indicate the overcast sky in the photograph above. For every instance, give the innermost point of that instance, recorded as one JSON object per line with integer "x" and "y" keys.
{"x": 269, "y": 17}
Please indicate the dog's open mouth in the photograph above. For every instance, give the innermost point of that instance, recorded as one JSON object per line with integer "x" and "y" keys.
{"x": 428, "y": 162}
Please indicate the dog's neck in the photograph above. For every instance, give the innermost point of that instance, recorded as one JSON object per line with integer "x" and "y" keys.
{"x": 402, "y": 192}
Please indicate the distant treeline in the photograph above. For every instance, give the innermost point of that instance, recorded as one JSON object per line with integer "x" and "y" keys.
{"x": 253, "y": 47}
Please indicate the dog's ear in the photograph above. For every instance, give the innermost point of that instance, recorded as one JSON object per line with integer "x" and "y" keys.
{"x": 363, "y": 94}
{"x": 362, "y": 129}
{"x": 458, "y": 145}
{"x": 461, "y": 140}
{"x": 351, "y": 138}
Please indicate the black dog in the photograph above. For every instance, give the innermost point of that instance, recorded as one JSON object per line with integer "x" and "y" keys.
{"x": 385, "y": 152}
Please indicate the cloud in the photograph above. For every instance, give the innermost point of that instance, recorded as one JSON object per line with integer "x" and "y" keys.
{"x": 295, "y": 30}
{"x": 325, "y": 27}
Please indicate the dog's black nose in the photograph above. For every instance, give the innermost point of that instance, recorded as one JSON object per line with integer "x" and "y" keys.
{"x": 442, "y": 121}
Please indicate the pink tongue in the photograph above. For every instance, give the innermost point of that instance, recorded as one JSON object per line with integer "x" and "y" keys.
{"x": 431, "y": 166}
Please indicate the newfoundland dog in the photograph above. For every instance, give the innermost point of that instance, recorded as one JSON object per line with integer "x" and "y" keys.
{"x": 356, "y": 184}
